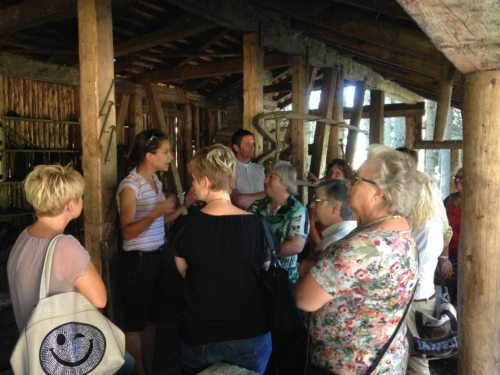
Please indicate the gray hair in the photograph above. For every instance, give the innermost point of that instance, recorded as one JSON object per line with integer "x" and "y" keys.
{"x": 336, "y": 191}
{"x": 287, "y": 175}
{"x": 397, "y": 177}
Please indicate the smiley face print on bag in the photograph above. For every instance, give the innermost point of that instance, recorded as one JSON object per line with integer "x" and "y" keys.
{"x": 72, "y": 349}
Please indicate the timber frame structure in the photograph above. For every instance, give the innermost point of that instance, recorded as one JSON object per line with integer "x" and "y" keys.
{"x": 104, "y": 70}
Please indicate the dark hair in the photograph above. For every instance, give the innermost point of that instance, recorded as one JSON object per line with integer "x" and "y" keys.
{"x": 144, "y": 142}
{"x": 344, "y": 166}
{"x": 238, "y": 136}
{"x": 336, "y": 191}
{"x": 409, "y": 151}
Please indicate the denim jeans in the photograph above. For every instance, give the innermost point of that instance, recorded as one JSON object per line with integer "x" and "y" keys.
{"x": 128, "y": 366}
{"x": 251, "y": 354}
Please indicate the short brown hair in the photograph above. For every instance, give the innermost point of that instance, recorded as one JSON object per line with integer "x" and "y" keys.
{"x": 217, "y": 163}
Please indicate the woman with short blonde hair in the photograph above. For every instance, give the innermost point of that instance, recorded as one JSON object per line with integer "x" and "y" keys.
{"x": 220, "y": 251}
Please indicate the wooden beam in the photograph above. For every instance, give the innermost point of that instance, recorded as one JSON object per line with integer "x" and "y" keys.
{"x": 97, "y": 92}
{"x": 278, "y": 33}
{"x": 253, "y": 81}
{"x": 466, "y": 32}
{"x": 352, "y": 136}
{"x": 229, "y": 66}
{"x": 377, "y": 116}
{"x": 180, "y": 30}
{"x": 444, "y": 100}
{"x": 136, "y": 115}
{"x": 299, "y": 104}
{"x": 334, "y": 150}
{"x": 209, "y": 43}
{"x": 478, "y": 260}
{"x": 438, "y": 145}
{"x": 32, "y": 13}
{"x": 322, "y": 133}
{"x": 187, "y": 143}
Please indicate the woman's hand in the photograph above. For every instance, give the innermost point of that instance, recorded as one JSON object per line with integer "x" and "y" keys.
{"x": 446, "y": 267}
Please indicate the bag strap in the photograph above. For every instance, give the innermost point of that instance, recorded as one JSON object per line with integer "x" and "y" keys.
{"x": 444, "y": 290}
{"x": 270, "y": 242}
{"x": 382, "y": 351}
{"x": 47, "y": 266}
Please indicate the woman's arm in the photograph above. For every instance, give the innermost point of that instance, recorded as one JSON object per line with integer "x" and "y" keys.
{"x": 181, "y": 265}
{"x": 130, "y": 228}
{"x": 310, "y": 296}
{"x": 291, "y": 246}
{"x": 90, "y": 284}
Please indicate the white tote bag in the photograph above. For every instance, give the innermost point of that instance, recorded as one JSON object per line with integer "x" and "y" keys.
{"x": 67, "y": 335}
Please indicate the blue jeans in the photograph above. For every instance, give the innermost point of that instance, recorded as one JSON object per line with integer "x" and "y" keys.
{"x": 252, "y": 354}
{"x": 128, "y": 366}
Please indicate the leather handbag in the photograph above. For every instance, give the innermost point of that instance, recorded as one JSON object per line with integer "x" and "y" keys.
{"x": 279, "y": 300}
{"x": 437, "y": 336}
{"x": 66, "y": 334}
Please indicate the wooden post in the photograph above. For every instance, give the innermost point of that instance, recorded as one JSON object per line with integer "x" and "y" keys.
{"x": 410, "y": 122}
{"x": 156, "y": 113}
{"x": 3, "y": 140}
{"x": 97, "y": 97}
{"x": 196, "y": 127}
{"x": 253, "y": 83}
{"x": 187, "y": 143}
{"x": 377, "y": 116}
{"x": 444, "y": 100}
{"x": 122, "y": 116}
{"x": 478, "y": 258}
{"x": 352, "y": 137}
{"x": 334, "y": 150}
{"x": 299, "y": 104}
{"x": 137, "y": 114}
{"x": 322, "y": 133}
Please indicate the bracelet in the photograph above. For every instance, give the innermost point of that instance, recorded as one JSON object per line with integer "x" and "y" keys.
{"x": 443, "y": 257}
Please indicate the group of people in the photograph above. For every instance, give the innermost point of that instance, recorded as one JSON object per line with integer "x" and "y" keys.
{"x": 368, "y": 228}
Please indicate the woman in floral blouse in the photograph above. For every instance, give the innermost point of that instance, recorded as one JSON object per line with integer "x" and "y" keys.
{"x": 360, "y": 286}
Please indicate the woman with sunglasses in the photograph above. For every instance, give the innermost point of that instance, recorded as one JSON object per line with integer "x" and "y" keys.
{"x": 453, "y": 205}
{"x": 143, "y": 211}
{"x": 359, "y": 288}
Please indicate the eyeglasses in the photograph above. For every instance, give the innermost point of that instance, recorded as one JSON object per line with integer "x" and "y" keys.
{"x": 356, "y": 179}
{"x": 320, "y": 200}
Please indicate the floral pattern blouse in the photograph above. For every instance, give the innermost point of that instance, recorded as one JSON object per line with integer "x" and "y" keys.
{"x": 371, "y": 274}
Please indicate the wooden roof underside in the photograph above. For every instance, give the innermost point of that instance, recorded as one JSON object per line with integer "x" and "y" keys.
{"x": 197, "y": 44}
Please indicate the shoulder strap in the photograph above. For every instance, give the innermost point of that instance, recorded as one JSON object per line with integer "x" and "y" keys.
{"x": 47, "y": 266}
{"x": 270, "y": 241}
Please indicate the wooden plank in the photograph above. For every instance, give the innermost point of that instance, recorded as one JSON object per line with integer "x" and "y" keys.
{"x": 465, "y": 31}
{"x": 478, "y": 260}
{"x": 228, "y": 66}
{"x": 444, "y": 100}
{"x": 3, "y": 141}
{"x": 377, "y": 116}
{"x": 391, "y": 110}
{"x": 253, "y": 82}
{"x": 196, "y": 127}
{"x": 120, "y": 121}
{"x": 279, "y": 34}
{"x": 158, "y": 118}
{"x": 97, "y": 77}
{"x": 322, "y": 133}
{"x": 334, "y": 150}
{"x": 136, "y": 115}
{"x": 299, "y": 104}
{"x": 352, "y": 136}
{"x": 180, "y": 30}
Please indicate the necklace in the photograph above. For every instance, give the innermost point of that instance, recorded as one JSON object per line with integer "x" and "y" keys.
{"x": 219, "y": 199}
{"x": 381, "y": 219}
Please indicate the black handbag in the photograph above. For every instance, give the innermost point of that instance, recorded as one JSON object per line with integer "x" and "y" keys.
{"x": 437, "y": 335}
{"x": 278, "y": 297}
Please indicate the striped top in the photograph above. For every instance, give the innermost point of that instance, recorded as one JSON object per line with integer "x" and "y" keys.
{"x": 146, "y": 199}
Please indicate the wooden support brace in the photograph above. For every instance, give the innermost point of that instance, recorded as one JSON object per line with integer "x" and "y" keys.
{"x": 444, "y": 100}
{"x": 120, "y": 120}
{"x": 377, "y": 116}
{"x": 352, "y": 137}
